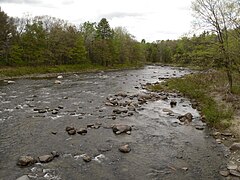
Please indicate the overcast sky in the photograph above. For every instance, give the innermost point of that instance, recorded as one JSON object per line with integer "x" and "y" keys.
{"x": 145, "y": 19}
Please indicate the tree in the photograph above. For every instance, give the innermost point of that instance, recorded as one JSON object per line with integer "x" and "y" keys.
{"x": 7, "y": 34}
{"x": 214, "y": 15}
{"x": 103, "y": 30}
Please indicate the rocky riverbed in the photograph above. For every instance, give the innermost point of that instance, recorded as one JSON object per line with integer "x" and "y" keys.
{"x": 104, "y": 126}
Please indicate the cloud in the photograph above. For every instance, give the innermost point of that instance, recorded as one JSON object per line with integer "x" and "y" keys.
{"x": 120, "y": 15}
{"x": 21, "y": 1}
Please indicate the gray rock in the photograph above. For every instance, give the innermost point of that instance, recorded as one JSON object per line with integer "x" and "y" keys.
{"x": 167, "y": 110}
{"x": 124, "y": 148}
{"x": 42, "y": 111}
{"x": 118, "y": 129}
{"x": 224, "y": 173}
{"x": 234, "y": 173}
{"x": 55, "y": 154}
{"x": 82, "y": 131}
{"x": 122, "y": 94}
{"x": 235, "y": 147}
{"x": 45, "y": 158}
{"x": 54, "y": 111}
{"x": 232, "y": 166}
{"x": 131, "y": 108}
{"x": 26, "y": 161}
{"x": 25, "y": 177}
{"x": 57, "y": 82}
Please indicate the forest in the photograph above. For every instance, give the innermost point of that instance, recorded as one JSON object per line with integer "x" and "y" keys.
{"x": 49, "y": 41}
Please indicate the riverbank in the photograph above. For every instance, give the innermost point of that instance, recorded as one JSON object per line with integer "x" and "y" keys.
{"x": 209, "y": 89}
{"x": 51, "y": 71}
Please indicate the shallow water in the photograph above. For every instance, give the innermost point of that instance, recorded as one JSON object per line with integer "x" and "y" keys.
{"x": 161, "y": 148}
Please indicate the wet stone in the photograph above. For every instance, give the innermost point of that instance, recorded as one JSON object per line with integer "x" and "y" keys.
{"x": 45, "y": 158}
{"x": 68, "y": 128}
{"x": 60, "y": 107}
{"x": 232, "y": 166}
{"x": 87, "y": 158}
{"x": 124, "y": 148}
{"x": 25, "y": 177}
{"x": 42, "y": 111}
{"x": 54, "y": 111}
{"x": 173, "y": 104}
{"x": 26, "y": 161}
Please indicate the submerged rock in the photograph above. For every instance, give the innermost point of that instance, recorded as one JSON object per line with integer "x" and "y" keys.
{"x": 118, "y": 129}
{"x": 173, "y": 104}
{"x": 26, "y": 161}
{"x": 124, "y": 148}
{"x": 224, "y": 173}
{"x": 234, "y": 173}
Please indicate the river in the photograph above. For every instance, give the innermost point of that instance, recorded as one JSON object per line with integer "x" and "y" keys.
{"x": 161, "y": 147}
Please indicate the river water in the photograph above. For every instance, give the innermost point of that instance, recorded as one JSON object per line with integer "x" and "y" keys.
{"x": 161, "y": 148}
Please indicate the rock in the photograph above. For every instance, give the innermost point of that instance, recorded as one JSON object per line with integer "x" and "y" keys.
{"x": 131, "y": 108}
{"x": 118, "y": 129}
{"x": 55, "y": 154}
{"x": 68, "y": 128}
{"x": 167, "y": 110}
{"x": 226, "y": 134}
{"x": 60, "y": 107}
{"x": 42, "y": 111}
{"x": 219, "y": 141}
{"x": 60, "y": 77}
{"x": 26, "y": 161}
{"x": 90, "y": 125}
{"x": 232, "y": 167}
{"x": 45, "y": 158}
{"x": 82, "y": 131}
{"x": 224, "y": 173}
{"x": 234, "y": 173}
{"x": 72, "y": 132}
{"x": 25, "y": 177}
{"x": 173, "y": 104}
{"x": 109, "y": 104}
{"x": 117, "y": 111}
{"x": 86, "y": 158}
{"x": 10, "y": 82}
{"x": 57, "y": 82}
{"x": 185, "y": 168}
{"x": 186, "y": 118}
{"x": 124, "y": 148}
{"x": 199, "y": 127}
{"x": 54, "y": 132}
{"x": 54, "y": 111}
{"x": 122, "y": 94}
{"x": 235, "y": 147}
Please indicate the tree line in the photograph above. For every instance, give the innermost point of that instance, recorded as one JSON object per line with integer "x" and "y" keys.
{"x": 45, "y": 40}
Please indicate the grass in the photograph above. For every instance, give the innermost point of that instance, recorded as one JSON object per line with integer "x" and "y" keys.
{"x": 203, "y": 87}
{"x": 6, "y": 72}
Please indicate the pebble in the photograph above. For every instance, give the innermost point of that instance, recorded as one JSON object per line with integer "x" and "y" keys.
{"x": 125, "y": 148}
